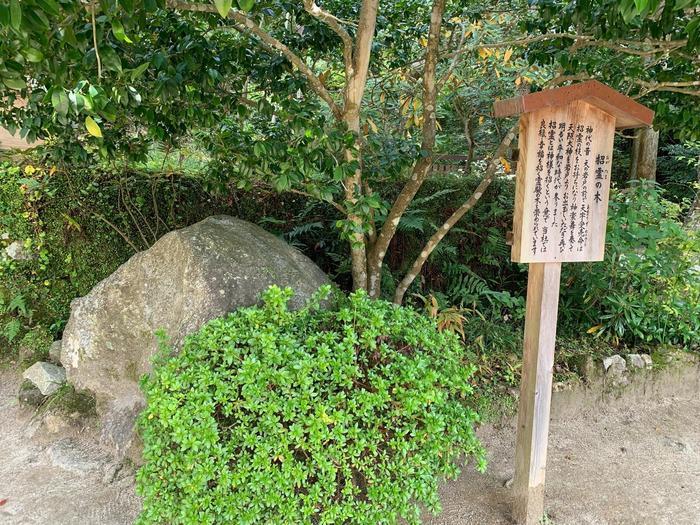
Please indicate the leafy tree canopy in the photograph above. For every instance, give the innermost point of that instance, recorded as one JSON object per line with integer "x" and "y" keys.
{"x": 332, "y": 100}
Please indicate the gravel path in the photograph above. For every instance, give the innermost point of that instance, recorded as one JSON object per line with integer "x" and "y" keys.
{"x": 627, "y": 464}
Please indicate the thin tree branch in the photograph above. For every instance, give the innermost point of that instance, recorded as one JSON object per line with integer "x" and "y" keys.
{"x": 455, "y": 61}
{"x": 94, "y": 40}
{"x": 639, "y": 48}
{"x": 690, "y": 92}
{"x": 311, "y": 196}
{"x": 422, "y": 166}
{"x": 122, "y": 234}
{"x": 675, "y": 87}
{"x": 335, "y": 24}
{"x": 243, "y": 22}
{"x": 456, "y": 216}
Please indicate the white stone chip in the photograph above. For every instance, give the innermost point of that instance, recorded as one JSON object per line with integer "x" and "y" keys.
{"x": 46, "y": 377}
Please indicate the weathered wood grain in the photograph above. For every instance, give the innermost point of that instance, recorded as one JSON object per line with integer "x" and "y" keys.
{"x": 566, "y": 220}
{"x": 535, "y": 392}
{"x": 628, "y": 113}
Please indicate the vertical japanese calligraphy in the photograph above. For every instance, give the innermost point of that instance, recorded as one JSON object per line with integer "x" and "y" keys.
{"x": 563, "y": 184}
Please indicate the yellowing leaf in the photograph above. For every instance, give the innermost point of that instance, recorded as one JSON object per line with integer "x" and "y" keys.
{"x": 423, "y": 41}
{"x": 594, "y": 329}
{"x": 506, "y": 165}
{"x": 372, "y": 125}
{"x": 518, "y": 81}
{"x": 481, "y": 120}
{"x": 507, "y": 55}
{"x": 93, "y": 127}
{"x": 483, "y": 53}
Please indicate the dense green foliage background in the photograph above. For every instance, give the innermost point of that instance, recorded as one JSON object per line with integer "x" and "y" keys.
{"x": 79, "y": 225}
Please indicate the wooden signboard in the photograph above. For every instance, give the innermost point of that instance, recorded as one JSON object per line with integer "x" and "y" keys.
{"x": 561, "y": 207}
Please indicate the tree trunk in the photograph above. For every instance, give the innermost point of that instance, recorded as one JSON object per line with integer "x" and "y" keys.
{"x": 435, "y": 239}
{"x": 354, "y": 91}
{"x": 353, "y": 188}
{"x": 422, "y": 166}
{"x": 644, "y": 152}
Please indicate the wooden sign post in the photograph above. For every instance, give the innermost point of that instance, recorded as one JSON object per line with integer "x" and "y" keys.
{"x": 561, "y": 208}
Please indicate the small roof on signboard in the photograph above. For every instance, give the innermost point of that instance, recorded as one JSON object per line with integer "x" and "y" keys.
{"x": 627, "y": 112}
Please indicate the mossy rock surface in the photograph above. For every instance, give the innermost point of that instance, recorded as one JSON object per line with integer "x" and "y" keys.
{"x": 187, "y": 278}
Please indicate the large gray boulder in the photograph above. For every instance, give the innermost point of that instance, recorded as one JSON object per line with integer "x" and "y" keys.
{"x": 185, "y": 279}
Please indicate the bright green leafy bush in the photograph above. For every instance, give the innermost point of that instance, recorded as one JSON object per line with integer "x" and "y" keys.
{"x": 343, "y": 415}
{"x": 648, "y": 287}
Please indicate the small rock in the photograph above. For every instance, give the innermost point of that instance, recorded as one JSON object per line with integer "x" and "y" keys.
{"x": 30, "y": 395}
{"x": 17, "y": 252}
{"x": 48, "y": 378}
{"x": 55, "y": 352}
{"x": 587, "y": 368}
{"x": 679, "y": 445}
{"x": 639, "y": 360}
{"x": 614, "y": 365}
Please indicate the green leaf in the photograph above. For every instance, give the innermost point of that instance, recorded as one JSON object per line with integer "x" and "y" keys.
{"x": 4, "y": 15}
{"x": 246, "y": 5}
{"x": 682, "y": 4}
{"x": 49, "y": 6}
{"x": 110, "y": 60}
{"x": 93, "y": 127}
{"x": 69, "y": 36}
{"x": 119, "y": 33}
{"x": 15, "y": 14}
{"x": 34, "y": 55}
{"x": 641, "y": 6}
{"x": 14, "y": 83}
{"x": 59, "y": 101}
{"x": 138, "y": 71}
{"x": 11, "y": 329}
{"x": 223, "y": 7}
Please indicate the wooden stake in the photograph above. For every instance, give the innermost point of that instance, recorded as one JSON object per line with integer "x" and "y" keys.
{"x": 535, "y": 392}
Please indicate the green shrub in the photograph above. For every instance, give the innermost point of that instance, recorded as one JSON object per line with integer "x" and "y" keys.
{"x": 350, "y": 414}
{"x": 65, "y": 249}
{"x": 648, "y": 287}
{"x": 35, "y": 344}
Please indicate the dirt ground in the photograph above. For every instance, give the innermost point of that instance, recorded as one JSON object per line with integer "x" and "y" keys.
{"x": 629, "y": 463}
